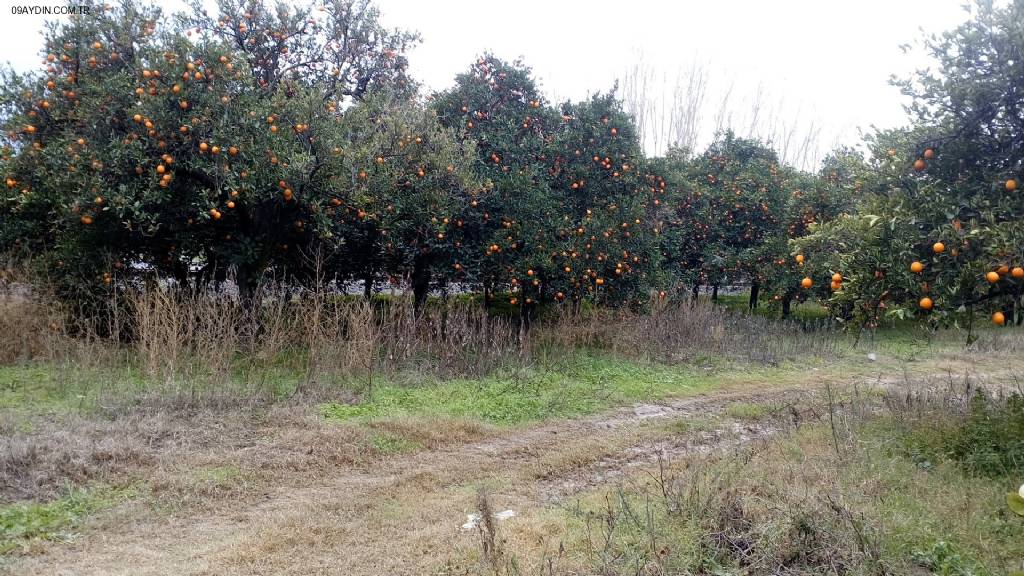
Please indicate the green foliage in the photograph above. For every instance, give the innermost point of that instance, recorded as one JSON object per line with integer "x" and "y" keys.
{"x": 1015, "y": 502}
{"x": 565, "y": 210}
{"x": 21, "y": 523}
{"x": 730, "y": 212}
{"x": 188, "y": 147}
{"x": 945, "y": 559}
{"x": 991, "y": 440}
{"x": 988, "y": 440}
{"x": 290, "y": 141}
{"x": 953, "y": 177}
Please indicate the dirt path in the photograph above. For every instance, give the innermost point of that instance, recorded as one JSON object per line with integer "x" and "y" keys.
{"x": 403, "y": 516}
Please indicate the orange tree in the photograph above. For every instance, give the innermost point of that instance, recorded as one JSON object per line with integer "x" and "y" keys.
{"x": 497, "y": 106}
{"x": 940, "y": 231}
{"x": 563, "y": 209}
{"x": 403, "y": 183}
{"x": 606, "y": 246}
{"x": 810, "y": 200}
{"x": 728, "y": 206}
{"x": 190, "y": 146}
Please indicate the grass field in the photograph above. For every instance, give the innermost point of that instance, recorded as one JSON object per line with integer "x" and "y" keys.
{"x": 101, "y": 459}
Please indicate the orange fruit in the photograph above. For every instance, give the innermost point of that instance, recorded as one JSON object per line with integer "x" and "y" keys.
{"x": 1011, "y": 185}
{"x": 1003, "y": 270}
{"x": 938, "y": 247}
{"x": 929, "y": 154}
{"x": 800, "y": 258}
{"x": 998, "y": 319}
{"x": 926, "y": 303}
{"x": 837, "y": 277}
{"x": 806, "y": 283}
{"x": 86, "y": 220}
{"x": 992, "y": 277}
{"x": 836, "y": 286}
{"x": 1017, "y": 272}
{"x": 919, "y": 165}
{"x": 215, "y": 213}
{"x": 916, "y": 267}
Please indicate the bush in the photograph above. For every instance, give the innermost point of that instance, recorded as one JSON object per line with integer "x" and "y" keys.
{"x": 982, "y": 433}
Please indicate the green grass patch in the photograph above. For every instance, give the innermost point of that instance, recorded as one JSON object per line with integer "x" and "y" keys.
{"x": 744, "y": 411}
{"x": 388, "y": 444}
{"x": 23, "y": 522}
{"x": 218, "y": 477}
{"x": 582, "y": 384}
{"x": 692, "y": 424}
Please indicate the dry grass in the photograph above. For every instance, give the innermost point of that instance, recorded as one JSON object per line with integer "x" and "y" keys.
{"x": 328, "y": 503}
{"x": 200, "y": 348}
{"x": 837, "y": 494}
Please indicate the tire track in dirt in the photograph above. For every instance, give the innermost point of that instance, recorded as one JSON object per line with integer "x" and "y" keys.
{"x": 402, "y": 516}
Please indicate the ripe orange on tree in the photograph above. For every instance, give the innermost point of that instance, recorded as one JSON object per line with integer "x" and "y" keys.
{"x": 998, "y": 319}
{"x": 938, "y": 247}
{"x": 926, "y": 303}
{"x": 916, "y": 267}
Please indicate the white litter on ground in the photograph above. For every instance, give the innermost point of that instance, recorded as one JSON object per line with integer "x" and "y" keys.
{"x": 472, "y": 520}
{"x": 872, "y": 357}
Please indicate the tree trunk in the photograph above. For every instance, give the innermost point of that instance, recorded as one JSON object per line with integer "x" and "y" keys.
{"x": 444, "y": 311}
{"x": 368, "y": 283}
{"x": 786, "y": 306}
{"x": 696, "y": 292}
{"x": 755, "y": 290}
{"x": 420, "y": 282}
{"x": 714, "y": 293}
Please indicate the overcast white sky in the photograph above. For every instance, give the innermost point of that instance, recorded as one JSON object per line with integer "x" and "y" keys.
{"x": 826, "y": 61}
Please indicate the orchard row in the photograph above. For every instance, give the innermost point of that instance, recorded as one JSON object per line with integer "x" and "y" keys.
{"x": 292, "y": 143}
